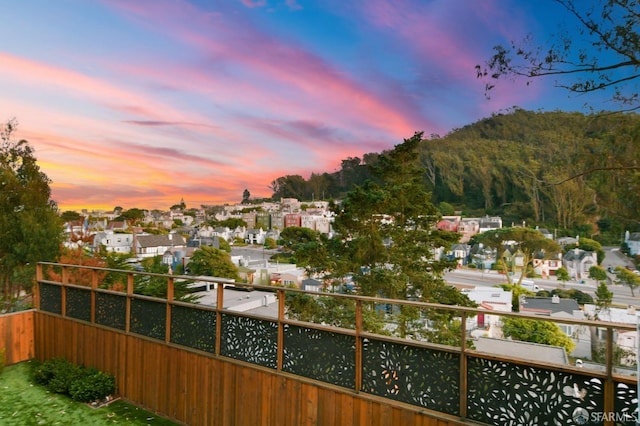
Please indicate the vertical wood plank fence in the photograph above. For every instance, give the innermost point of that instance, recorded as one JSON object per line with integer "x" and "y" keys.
{"x": 204, "y": 365}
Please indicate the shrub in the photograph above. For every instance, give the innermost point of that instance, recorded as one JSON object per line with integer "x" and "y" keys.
{"x": 93, "y": 385}
{"x": 80, "y": 383}
{"x": 63, "y": 377}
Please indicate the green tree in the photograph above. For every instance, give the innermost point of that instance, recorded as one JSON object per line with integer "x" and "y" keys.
{"x": 604, "y": 297}
{"x": 597, "y": 273}
{"x": 588, "y": 244}
{"x": 270, "y": 243}
{"x": 386, "y": 239}
{"x": 562, "y": 275}
{"x": 609, "y": 27}
{"x": 527, "y": 242}
{"x": 246, "y": 195}
{"x": 70, "y": 216}
{"x": 30, "y": 226}
{"x": 156, "y": 286}
{"x": 133, "y": 216}
{"x": 629, "y": 279}
{"x": 536, "y": 331}
{"x": 213, "y": 262}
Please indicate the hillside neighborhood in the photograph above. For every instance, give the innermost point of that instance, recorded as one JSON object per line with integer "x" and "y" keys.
{"x": 182, "y": 234}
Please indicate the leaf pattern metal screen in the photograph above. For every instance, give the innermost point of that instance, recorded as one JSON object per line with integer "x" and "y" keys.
{"x": 51, "y": 298}
{"x": 419, "y": 376}
{"x": 111, "y": 310}
{"x": 510, "y": 394}
{"x": 148, "y": 318}
{"x": 195, "y": 328}
{"x": 250, "y": 340}
{"x": 320, "y": 355}
{"x": 79, "y": 303}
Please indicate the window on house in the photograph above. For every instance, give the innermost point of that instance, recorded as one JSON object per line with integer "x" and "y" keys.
{"x": 566, "y": 329}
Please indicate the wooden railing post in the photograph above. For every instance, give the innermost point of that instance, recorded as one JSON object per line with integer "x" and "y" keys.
{"x": 94, "y": 286}
{"x": 359, "y": 346}
{"x": 127, "y": 326}
{"x": 170, "y": 297}
{"x": 281, "y": 306}
{"x": 63, "y": 291}
{"x": 36, "y": 289}
{"x": 609, "y": 387}
{"x": 463, "y": 365}
{"x": 219, "y": 308}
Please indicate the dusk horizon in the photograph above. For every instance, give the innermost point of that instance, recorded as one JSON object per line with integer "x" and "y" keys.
{"x": 143, "y": 104}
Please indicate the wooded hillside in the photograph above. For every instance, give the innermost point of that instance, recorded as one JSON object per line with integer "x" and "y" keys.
{"x": 563, "y": 170}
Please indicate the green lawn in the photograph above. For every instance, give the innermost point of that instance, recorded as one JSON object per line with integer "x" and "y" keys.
{"x": 23, "y": 403}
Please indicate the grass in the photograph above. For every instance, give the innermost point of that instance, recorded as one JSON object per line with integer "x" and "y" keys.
{"x": 24, "y": 403}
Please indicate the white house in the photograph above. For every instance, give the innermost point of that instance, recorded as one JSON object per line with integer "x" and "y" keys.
{"x": 633, "y": 242}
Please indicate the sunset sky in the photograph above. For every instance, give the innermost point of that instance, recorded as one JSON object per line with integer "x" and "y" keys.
{"x": 142, "y": 103}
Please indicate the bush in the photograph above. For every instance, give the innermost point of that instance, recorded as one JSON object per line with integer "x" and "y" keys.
{"x": 93, "y": 385}
{"x": 80, "y": 383}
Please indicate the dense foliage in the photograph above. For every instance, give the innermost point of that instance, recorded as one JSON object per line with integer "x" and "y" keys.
{"x": 567, "y": 171}
{"x": 30, "y": 227}
{"x": 79, "y": 383}
{"x": 385, "y": 246}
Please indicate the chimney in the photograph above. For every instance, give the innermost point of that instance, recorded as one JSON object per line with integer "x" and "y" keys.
{"x": 631, "y": 310}
{"x": 555, "y": 299}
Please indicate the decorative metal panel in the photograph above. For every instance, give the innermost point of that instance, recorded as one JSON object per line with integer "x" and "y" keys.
{"x": 503, "y": 393}
{"x": 195, "y": 328}
{"x": 148, "y": 318}
{"x": 419, "y": 376}
{"x": 626, "y": 404}
{"x": 320, "y": 355}
{"x": 79, "y": 303}
{"x": 51, "y": 298}
{"x": 249, "y": 339}
{"x": 111, "y": 310}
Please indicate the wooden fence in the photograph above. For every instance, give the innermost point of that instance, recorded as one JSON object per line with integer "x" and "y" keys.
{"x": 17, "y": 336}
{"x": 205, "y": 365}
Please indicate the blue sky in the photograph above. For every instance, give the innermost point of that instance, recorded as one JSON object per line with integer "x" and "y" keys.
{"x": 142, "y": 103}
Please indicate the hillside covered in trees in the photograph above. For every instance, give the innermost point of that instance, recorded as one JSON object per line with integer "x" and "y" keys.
{"x": 568, "y": 171}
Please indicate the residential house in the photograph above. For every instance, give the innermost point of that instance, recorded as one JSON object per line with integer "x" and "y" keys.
{"x": 286, "y": 275}
{"x": 256, "y": 236}
{"x": 578, "y": 262}
{"x": 308, "y": 221}
{"x": 292, "y": 219}
{"x": 523, "y": 350}
{"x": 157, "y": 245}
{"x": 489, "y": 223}
{"x": 114, "y": 242}
{"x": 117, "y": 225}
{"x": 546, "y": 267}
{"x": 557, "y": 307}
{"x": 544, "y": 231}
{"x": 460, "y": 253}
{"x": 468, "y": 227}
{"x": 624, "y": 340}
{"x": 633, "y": 242}
{"x": 311, "y": 284}
{"x": 449, "y": 223}
{"x": 491, "y": 299}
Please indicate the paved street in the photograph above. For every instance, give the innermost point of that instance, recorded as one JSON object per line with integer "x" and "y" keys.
{"x": 621, "y": 293}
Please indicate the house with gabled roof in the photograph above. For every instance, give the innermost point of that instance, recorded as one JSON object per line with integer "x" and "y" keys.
{"x": 156, "y": 245}
{"x": 578, "y": 262}
{"x": 557, "y": 307}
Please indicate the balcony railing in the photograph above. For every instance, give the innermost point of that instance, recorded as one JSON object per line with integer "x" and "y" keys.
{"x": 454, "y": 379}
